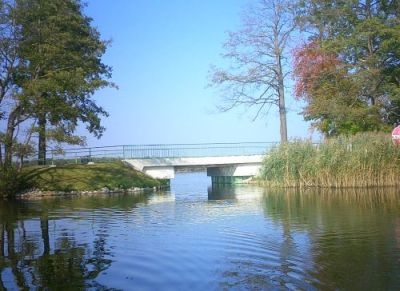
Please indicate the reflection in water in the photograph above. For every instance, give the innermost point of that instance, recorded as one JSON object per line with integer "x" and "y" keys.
{"x": 226, "y": 237}
{"x": 352, "y": 233}
{"x": 32, "y": 254}
{"x": 261, "y": 257}
{"x": 221, "y": 192}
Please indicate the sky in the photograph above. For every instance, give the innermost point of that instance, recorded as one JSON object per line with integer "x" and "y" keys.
{"x": 161, "y": 53}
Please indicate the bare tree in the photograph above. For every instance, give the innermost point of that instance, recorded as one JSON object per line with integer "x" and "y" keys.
{"x": 256, "y": 76}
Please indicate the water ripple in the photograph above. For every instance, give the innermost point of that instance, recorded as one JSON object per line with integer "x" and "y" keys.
{"x": 226, "y": 238}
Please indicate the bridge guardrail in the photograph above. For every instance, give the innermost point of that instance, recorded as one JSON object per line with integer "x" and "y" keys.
{"x": 161, "y": 151}
{"x": 196, "y": 150}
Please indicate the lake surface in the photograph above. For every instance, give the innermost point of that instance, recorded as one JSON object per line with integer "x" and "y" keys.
{"x": 198, "y": 237}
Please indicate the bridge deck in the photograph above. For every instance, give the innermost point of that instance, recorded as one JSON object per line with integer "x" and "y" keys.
{"x": 164, "y": 168}
{"x": 141, "y": 164}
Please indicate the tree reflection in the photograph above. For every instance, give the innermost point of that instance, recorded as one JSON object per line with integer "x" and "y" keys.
{"x": 258, "y": 261}
{"x": 65, "y": 267}
{"x": 352, "y": 233}
{"x": 44, "y": 226}
{"x": 33, "y": 255}
{"x": 9, "y": 257}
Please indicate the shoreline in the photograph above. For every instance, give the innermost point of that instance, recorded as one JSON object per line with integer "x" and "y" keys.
{"x": 83, "y": 180}
{"x": 37, "y": 194}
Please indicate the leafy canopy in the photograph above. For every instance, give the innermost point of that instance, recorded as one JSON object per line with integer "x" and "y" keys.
{"x": 348, "y": 70}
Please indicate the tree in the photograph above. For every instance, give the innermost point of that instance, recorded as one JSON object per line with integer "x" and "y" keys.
{"x": 348, "y": 70}
{"x": 50, "y": 67}
{"x": 11, "y": 109}
{"x": 322, "y": 81}
{"x": 257, "y": 52}
{"x": 61, "y": 68}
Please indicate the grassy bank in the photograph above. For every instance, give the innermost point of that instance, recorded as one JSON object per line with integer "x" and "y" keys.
{"x": 95, "y": 177}
{"x": 364, "y": 160}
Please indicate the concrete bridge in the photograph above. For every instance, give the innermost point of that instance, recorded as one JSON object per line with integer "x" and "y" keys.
{"x": 225, "y": 162}
{"x": 220, "y": 169}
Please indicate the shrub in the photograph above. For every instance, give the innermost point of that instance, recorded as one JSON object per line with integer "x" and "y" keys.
{"x": 11, "y": 183}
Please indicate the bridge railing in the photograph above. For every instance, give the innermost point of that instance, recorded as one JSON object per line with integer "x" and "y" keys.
{"x": 161, "y": 151}
{"x": 196, "y": 150}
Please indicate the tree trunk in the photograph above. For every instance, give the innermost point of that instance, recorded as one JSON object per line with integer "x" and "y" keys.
{"x": 9, "y": 139}
{"x": 42, "y": 140}
{"x": 282, "y": 117}
{"x": 21, "y": 163}
{"x": 1, "y": 155}
{"x": 281, "y": 96}
{"x": 2, "y": 241}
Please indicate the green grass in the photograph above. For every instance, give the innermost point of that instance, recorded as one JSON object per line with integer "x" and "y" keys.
{"x": 113, "y": 175}
{"x": 363, "y": 160}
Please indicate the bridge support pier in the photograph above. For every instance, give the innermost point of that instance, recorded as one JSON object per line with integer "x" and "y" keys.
{"x": 235, "y": 174}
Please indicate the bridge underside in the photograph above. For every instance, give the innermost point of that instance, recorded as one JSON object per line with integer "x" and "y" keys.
{"x": 232, "y": 169}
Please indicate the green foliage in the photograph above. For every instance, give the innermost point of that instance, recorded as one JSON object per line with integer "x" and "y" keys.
{"x": 62, "y": 66}
{"x": 12, "y": 182}
{"x": 348, "y": 70}
{"x": 362, "y": 160}
{"x": 50, "y": 67}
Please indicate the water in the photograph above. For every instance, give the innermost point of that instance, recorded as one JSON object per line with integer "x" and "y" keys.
{"x": 198, "y": 237}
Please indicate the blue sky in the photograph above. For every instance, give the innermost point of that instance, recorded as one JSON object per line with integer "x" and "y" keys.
{"x": 161, "y": 53}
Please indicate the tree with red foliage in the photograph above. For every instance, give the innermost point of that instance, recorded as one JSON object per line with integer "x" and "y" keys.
{"x": 348, "y": 71}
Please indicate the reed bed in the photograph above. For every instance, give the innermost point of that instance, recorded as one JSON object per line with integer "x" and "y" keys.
{"x": 362, "y": 160}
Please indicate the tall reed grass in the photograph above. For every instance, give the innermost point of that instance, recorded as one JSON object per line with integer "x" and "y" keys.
{"x": 363, "y": 160}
